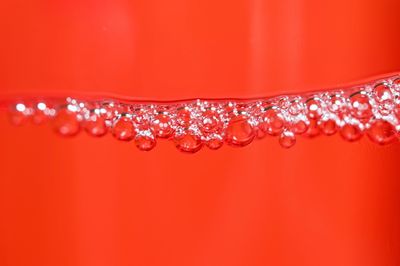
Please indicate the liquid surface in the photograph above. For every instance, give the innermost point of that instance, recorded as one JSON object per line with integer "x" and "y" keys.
{"x": 372, "y": 108}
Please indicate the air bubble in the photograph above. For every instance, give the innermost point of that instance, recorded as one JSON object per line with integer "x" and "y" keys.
{"x": 299, "y": 127}
{"x": 188, "y": 142}
{"x": 271, "y": 122}
{"x": 382, "y": 132}
{"x": 183, "y": 117}
{"x": 384, "y": 97}
{"x": 144, "y": 142}
{"x": 95, "y": 125}
{"x": 295, "y": 107}
{"x": 313, "y": 129}
{"x": 287, "y": 139}
{"x": 215, "y": 143}
{"x": 239, "y": 132}
{"x": 66, "y": 123}
{"x": 123, "y": 129}
{"x": 39, "y": 116}
{"x": 314, "y": 110}
{"x": 351, "y": 132}
{"x": 336, "y": 103}
{"x": 18, "y": 115}
{"x": 361, "y": 108}
{"x": 210, "y": 122}
{"x": 328, "y": 127}
{"x": 382, "y": 92}
{"x": 161, "y": 125}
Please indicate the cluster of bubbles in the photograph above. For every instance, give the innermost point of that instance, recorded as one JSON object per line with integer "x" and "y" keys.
{"x": 372, "y": 109}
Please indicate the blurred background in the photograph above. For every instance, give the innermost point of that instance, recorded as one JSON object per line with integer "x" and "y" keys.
{"x": 88, "y": 201}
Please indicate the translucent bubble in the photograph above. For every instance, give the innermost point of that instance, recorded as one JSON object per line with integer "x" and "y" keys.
{"x": 108, "y": 110}
{"x": 337, "y": 104}
{"x": 299, "y": 127}
{"x": 396, "y": 84}
{"x": 313, "y": 129}
{"x": 183, "y": 117}
{"x": 18, "y": 115}
{"x": 382, "y": 92}
{"x": 295, "y": 107}
{"x": 328, "y": 127}
{"x": 314, "y": 109}
{"x": 260, "y": 134}
{"x": 386, "y": 107}
{"x": 123, "y": 129}
{"x": 272, "y": 122}
{"x": 287, "y": 139}
{"x": 161, "y": 125}
{"x": 384, "y": 98}
{"x": 144, "y": 142}
{"x": 351, "y": 132}
{"x": 382, "y": 132}
{"x": 215, "y": 143}
{"x": 39, "y": 117}
{"x": 239, "y": 131}
{"x": 66, "y": 123}
{"x": 95, "y": 125}
{"x": 210, "y": 122}
{"x": 361, "y": 108}
{"x": 188, "y": 142}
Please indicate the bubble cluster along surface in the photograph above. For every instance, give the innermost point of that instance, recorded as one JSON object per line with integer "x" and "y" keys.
{"x": 371, "y": 109}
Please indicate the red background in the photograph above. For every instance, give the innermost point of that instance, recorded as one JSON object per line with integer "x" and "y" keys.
{"x": 87, "y": 201}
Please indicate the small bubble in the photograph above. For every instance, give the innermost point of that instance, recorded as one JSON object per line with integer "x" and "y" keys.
{"x": 40, "y": 114}
{"x": 144, "y": 142}
{"x": 382, "y": 132}
{"x": 66, "y": 123}
{"x": 215, "y": 143}
{"x": 239, "y": 132}
{"x": 210, "y": 122}
{"x": 95, "y": 125}
{"x": 123, "y": 129}
{"x": 41, "y": 106}
{"x": 396, "y": 84}
{"x": 161, "y": 125}
{"x": 287, "y": 139}
{"x": 314, "y": 110}
{"x": 183, "y": 117}
{"x": 299, "y": 127}
{"x": 336, "y": 103}
{"x": 361, "y": 108}
{"x": 271, "y": 122}
{"x": 295, "y": 107}
{"x": 313, "y": 129}
{"x": 328, "y": 127}
{"x": 382, "y": 92}
{"x": 18, "y": 115}
{"x": 351, "y": 132}
{"x": 188, "y": 142}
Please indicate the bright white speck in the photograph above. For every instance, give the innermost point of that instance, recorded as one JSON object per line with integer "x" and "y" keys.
{"x": 314, "y": 107}
{"x": 41, "y": 106}
{"x": 20, "y": 107}
{"x": 72, "y": 108}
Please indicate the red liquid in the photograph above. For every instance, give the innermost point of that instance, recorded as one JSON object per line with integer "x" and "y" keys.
{"x": 98, "y": 201}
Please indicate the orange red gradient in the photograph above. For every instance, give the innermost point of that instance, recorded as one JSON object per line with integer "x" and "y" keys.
{"x": 86, "y": 201}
